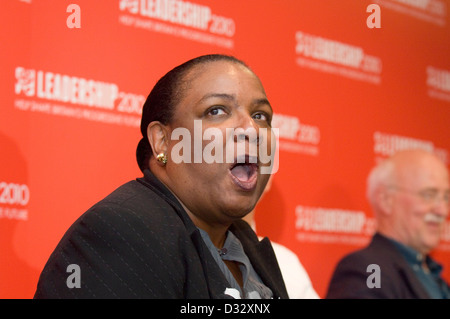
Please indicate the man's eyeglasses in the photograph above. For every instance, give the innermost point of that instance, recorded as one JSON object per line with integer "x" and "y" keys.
{"x": 430, "y": 196}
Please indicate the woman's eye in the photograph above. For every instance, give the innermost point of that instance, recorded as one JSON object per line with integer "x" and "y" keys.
{"x": 261, "y": 116}
{"x": 216, "y": 111}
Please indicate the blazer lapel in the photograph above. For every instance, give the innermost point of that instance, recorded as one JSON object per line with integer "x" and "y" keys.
{"x": 215, "y": 279}
{"x": 261, "y": 254}
{"x": 262, "y": 257}
{"x": 266, "y": 265}
{"x": 404, "y": 270}
{"x": 411, "y": 280}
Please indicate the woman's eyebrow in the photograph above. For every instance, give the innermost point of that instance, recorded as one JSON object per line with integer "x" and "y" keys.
{"x": 224, "y": 96}
{"x": 232, "y": 98}
{"x": 262, "y": 101}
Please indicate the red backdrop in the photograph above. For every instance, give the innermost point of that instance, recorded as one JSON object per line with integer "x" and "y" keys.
{"x": 345, "y": 95}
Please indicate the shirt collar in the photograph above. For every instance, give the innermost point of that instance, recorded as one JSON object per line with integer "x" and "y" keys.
{"x": 413, "y": 257}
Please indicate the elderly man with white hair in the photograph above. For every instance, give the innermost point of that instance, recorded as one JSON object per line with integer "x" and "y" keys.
{"x": 409, "y": 195}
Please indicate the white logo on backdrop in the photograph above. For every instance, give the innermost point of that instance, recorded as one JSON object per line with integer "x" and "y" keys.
{"x": 295, "y": 136}
{"x": 184, "y": 19}
{"x": 335, "y": 57}
{"x": 438, "y": 83}
{"x": 76, "y": 97}
{"x": 431, "y": 11}
{"x": 14, "y": 199}
{"x": 386, "y": 145}
{"x": 332, "y": 225}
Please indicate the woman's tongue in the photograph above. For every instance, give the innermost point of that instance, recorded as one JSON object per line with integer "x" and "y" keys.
{"x": 241, "y": 172}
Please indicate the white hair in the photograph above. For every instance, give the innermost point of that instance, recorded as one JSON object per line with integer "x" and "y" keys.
{"x": 382, "y": 175}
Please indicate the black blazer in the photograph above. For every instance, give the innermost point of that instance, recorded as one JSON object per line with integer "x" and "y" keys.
{"x": 397, "y": 279}
{"x": 139, "y": 242}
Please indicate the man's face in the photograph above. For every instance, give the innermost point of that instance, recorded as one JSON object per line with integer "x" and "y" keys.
{"x": 420, "y": 208}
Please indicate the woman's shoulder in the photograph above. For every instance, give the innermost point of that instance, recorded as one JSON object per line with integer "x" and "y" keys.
{"x": 131, "y": 212}
{"x": 127, "y": 244}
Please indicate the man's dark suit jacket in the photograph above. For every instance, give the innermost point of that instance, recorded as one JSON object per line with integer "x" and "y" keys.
{"x": 139, "y": 242}
{"x": 397, "y": 280}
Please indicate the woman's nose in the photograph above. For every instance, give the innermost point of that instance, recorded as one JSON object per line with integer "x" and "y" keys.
{"x": 246, "y": 129}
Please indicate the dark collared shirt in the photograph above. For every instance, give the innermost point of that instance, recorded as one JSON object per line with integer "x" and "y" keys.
{"x": 427, "y": 270}
{"x": 232, "y": 249}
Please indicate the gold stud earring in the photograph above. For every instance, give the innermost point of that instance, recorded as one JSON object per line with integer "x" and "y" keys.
{"x": 162, "y": 157}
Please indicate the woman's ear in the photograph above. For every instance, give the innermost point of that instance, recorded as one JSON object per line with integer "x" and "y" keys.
{"x": 158, "y": 137}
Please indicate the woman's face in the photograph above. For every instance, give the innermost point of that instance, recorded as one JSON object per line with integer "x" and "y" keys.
{"x": 220, "y": 98}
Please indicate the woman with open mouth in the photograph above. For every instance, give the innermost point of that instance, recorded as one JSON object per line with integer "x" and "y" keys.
{"x": 177, "y": 231}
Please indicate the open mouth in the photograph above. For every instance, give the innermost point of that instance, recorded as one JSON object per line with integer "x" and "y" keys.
{"x": 244, "y": 172}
